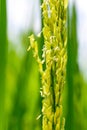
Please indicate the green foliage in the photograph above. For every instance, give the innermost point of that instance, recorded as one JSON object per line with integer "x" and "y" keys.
{"x": 25, "y": 95}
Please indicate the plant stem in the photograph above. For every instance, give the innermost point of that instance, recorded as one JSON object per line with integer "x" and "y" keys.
{"x": 3, "y": 58}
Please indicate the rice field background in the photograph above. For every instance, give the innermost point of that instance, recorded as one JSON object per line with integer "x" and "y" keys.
{"x": 20, "y": 80}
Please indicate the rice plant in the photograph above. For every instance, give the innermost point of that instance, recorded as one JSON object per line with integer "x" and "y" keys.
{"x": 54, "y": 58}
{"x": 53, "y": 98}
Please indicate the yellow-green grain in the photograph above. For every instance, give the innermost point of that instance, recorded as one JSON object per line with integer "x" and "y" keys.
{"x": 55, "y": 57}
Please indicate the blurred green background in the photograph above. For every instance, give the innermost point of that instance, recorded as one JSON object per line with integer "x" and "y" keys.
{"x": 20, "y": 100}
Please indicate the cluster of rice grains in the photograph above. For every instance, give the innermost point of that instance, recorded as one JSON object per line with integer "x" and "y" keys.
{"x": 54, "y": 57}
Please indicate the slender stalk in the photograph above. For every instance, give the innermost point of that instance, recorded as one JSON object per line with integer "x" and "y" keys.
{"x": 77, "y": 75}
{"x": 3, "y": 51}
{"x": 69, "y": 119}
{"x": 72, "y": 68}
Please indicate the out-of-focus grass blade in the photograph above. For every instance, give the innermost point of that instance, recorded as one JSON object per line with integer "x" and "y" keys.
{"x": 74, "y": 84}
{"x": 72, "y": 49}
{"x": 3, "y": 53}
